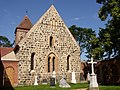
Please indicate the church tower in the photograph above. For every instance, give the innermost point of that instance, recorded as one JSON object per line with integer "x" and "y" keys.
{"x": 22, "y": 29}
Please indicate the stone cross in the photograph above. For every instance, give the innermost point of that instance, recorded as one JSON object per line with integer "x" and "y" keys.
{"x": 92, "y": 65}
{"x": 93, "y": 78}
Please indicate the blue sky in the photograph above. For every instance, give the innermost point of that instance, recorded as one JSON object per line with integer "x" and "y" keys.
{"x": 83, "y": 13}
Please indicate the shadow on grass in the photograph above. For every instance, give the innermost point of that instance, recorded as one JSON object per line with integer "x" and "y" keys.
{"x": 7, "y": 88}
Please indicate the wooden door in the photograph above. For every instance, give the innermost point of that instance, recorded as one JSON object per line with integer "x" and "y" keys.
{"x": 9, "y": 77}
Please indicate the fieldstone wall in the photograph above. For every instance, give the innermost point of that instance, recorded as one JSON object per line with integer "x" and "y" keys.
{"x": 38, "y": 40}
{"x": 19, "y": 35}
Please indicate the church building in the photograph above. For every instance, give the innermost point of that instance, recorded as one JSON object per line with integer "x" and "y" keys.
{"x": 44, "y": 48}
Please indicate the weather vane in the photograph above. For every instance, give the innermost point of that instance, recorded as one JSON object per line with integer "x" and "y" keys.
{"x": 26, "y": 12}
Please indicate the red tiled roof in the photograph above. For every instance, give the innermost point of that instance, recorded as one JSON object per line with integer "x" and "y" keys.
{"x": 5, "y": 50}
{"x": 25, "y": 24}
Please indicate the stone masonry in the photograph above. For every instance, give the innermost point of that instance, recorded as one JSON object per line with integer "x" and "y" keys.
{"x": 52, "y": 48}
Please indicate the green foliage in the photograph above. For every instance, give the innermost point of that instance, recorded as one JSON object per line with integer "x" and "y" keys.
{"x": 88, "y": 41}
{"x": 4, "y": 42}
{"x": 110, "y": 36}
{"x": 110, "y": 7}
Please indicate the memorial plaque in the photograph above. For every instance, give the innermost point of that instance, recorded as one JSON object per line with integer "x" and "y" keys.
{"x": 52, "y": 82}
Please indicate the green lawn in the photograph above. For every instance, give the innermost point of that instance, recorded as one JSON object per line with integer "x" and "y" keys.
{"x": 73, "y": 87}
{"x": 109, "y": 87}
{"x": 47, "y": 87}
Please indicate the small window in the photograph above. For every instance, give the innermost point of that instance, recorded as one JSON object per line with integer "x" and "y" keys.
{"x": 21, "y": 38}
{"x": 32, "y": 61}
{"x": 48, "y": 64}
{"x": 16, "y": 49}
{"x": 53, "y": 63}
{"x": 68, "y": 62}
{"x": 51, "y": 41}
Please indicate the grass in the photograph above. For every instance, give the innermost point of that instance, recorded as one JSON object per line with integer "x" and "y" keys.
{"x": 73, "y": 87}
{"x": 47, "y": 87}
{"x": 109, "y": 87}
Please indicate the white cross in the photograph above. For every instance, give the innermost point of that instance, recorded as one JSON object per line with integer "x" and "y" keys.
{"x": 92, "y": 65}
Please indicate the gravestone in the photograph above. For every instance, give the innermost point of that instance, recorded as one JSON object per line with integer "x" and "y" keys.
{"x": 35, "y": 83}
{"x": 88, "y": 77}
{"x": 93, "y": 78}
{"x": 44, "y": 81}
{"x": 54, "y": 75}
{"x": 52, "y": 82}
{"x": 73, "y": 77}
{"x": 64, "y": 84}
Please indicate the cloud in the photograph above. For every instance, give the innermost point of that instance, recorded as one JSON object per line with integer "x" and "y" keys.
{"x": 76, "y": 19}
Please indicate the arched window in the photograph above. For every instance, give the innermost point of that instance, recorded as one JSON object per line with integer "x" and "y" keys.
{"x": 53, "y": 63}
{"x": 51, "y": 41}
{"x": 48, "y": 64}
{"x": 68, "y": 62}
{"x": 32, "y": 61}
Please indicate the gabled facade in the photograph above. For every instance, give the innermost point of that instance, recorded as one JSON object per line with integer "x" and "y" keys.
{"x": 48, "y": 46}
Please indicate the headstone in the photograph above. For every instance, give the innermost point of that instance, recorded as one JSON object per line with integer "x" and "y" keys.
{"x": 44, "y": 81}
{"x": 35, "y": 83}
{"x": 54, "y": 75}
{"x": 88, "y": 77}
{"x": 64, "y": 84}
{"x": 52, "y": 82}
{"x": 73, "y": 77}
{"x": 93, "y": 78}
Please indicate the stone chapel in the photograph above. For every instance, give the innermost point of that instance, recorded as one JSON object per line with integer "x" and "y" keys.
{"x": 45, "y": 47}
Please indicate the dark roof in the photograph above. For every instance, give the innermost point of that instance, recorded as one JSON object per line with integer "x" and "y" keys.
{"x": 25, "y": 24}
{"x": 5, "y": 50}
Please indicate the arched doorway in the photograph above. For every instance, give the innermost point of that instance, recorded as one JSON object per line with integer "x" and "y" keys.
{"x": 52, "y": 63}
{"x": 9, "y": 77}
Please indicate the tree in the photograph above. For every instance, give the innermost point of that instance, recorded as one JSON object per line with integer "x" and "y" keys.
{"x": 87, "y": 40}
{"x": 110, "y": 36}
{"x": 4, "y": 42}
